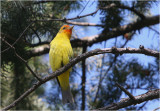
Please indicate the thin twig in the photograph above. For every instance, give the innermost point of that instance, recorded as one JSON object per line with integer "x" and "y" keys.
{"x": 83, "y": 8}
{"x": 90, "y": 14}
{"x": 67, "y": 19}
{"x": 83, "y": 81}
{"x": 24, "y": 61}
{"x": 140, "y": 108}
{"x": 128, "y": 93}
{"x": 100, "y": 80}
{"x": 18, "y": 38}
{"x": 100, "y": 77}
{"x": 154, "y": 30}
{"x": 36, "y": 34}
{"x": 124, "y": 7}
{"x": 156, "y": 109}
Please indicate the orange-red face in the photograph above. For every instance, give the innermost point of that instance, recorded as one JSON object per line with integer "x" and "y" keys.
{"x": 67, "y": 29}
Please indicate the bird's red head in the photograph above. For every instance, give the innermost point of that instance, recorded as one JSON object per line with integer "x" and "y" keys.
{"x": 66, "y": 29}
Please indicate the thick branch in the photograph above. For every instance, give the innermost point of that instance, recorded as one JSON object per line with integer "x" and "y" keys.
{"x": 150, "y": 95}
{"x": 76, "y": 60}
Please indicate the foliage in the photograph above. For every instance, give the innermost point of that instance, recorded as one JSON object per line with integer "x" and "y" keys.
{"x": 113, "y": 17}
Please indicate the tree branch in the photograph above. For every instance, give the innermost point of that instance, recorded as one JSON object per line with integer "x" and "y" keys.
{"x": 76, "y": 60}
{"x": 84, "y": 24}
{"x": 128, "y": 93}
{"x": 148, "y": 21}
{"x": 150, "y": 95}
{"x": 36, "y": 34}
{"x": 67, "y": 20}
{"x": 117, "y": 31}
{"x": 83, "y": 78}
{"x": 149, "y": 52}
{"x": 156, "y": 109}
{"x": 154, "y": 30}
{"x": 89, "y": 41}
{"x": 39, "y": 43}
{"x": 72, "y": 22}
{"x": 44, "y": 49}
{"x": 83, "y": 8}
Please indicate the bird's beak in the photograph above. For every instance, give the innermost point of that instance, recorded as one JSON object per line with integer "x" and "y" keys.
{"x": 71, "y": 27}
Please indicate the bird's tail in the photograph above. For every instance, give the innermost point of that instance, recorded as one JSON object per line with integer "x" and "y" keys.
{"x": 67, "y": 96}
{"x": 66, "y": 92}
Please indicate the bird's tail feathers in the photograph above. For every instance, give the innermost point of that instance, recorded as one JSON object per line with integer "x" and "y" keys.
{"x": 67, "y": 96}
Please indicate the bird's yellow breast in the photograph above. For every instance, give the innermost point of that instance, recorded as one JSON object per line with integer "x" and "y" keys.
{"x": 60, "y": 52}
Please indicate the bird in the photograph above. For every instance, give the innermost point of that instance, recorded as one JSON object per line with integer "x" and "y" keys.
{"x": 59, "y": 55}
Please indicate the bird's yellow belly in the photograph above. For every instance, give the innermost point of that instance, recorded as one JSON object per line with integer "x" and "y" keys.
{"x": 59, "y": 58}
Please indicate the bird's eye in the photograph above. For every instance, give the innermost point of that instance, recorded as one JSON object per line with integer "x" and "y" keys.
{"x": 64, "y": 28}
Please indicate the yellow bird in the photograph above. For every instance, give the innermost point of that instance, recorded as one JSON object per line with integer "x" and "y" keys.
{"x": 59, "y": 55}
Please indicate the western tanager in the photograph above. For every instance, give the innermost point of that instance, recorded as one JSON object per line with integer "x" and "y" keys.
{"x": 59, "y": 55}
